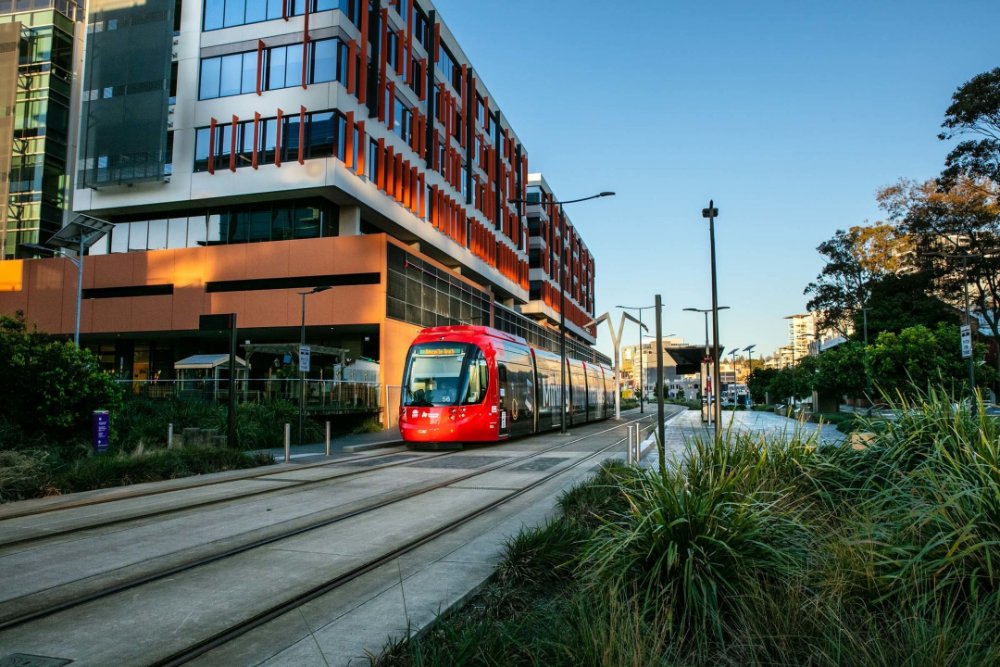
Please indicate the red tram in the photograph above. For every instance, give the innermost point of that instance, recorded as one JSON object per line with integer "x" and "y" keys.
{"x": 477, "y": 384}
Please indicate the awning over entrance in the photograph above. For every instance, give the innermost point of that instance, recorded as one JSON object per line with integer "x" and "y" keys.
{"x": 206, "y": 361}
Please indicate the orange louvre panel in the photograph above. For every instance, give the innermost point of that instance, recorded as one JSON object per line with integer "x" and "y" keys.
{"x": 400, "y": 52}
{"x": 352, "y": 63}
{"x": 277, "y": 139}
{"x": 433, "y": 213}
{"x": 211, "y": 145}
{"x": 348, "y": 143}
{"x": 302, "y": 132}
{"x": 363, "y": 54}
{"x": 380, "y": 165}
{"x": 437, "y": 37}
{"x": 397, "y": 178}
{"x": 392, "y": 104}
{"x": 413, "y": 190}
{"x": 256, "y": 140}
{"x": 465, "y": 104}
{"x": 405, "y": 199}
{"x": 383, "y": 53}
{"x": 260, "y": 63}
{"x": 390, "y": 170}
{"x": 409, "y": 43}
{"x": 362, "y": 147}
{"x": 423, "y": 89}
{"x": 232, "y": 143}
{"x": 486, "y": 113}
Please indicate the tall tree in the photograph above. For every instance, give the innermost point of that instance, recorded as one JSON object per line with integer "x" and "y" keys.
{"x": 975, "y": 112}
{"x": 956, "y": 232}
{"x": 855, "y": 260}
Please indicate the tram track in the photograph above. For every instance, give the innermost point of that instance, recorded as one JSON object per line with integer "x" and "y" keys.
{"x": 273, "y": 612}
{"x": 24, "y": 610}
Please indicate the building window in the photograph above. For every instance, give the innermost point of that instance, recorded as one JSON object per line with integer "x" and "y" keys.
{"x": 420, "y": 293}
{"x": 236, "y": 74}
{"x": 403, "y": 121}
{"x": 323, "y": 136}
{"x": 231, "y": 13}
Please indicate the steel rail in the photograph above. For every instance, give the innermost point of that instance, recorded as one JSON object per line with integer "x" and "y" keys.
{"x": 126, "y": 584}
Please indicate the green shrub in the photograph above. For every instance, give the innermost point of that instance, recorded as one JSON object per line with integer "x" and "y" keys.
{"x": 23, "y": 474}
{"x": 109, "y": 470}
{"x": 368, "y": 426}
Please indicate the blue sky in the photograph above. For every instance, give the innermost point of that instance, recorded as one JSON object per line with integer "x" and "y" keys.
{"x": 790, "y": 115}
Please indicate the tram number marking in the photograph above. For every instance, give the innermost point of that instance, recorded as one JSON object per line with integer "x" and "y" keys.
{"x": 503, "y": 419}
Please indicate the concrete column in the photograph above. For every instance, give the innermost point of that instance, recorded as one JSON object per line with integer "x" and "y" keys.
{"x": 350, "y": 221}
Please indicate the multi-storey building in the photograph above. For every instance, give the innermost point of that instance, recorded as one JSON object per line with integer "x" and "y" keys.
{"x": 37, "y": 125}
{"x": 249, "y": 151}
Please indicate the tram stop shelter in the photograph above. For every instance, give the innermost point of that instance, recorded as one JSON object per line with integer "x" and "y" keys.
{"x": 207, "y": 376}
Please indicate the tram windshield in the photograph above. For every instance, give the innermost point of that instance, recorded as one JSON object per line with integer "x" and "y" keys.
{"x": 435, "y": 373}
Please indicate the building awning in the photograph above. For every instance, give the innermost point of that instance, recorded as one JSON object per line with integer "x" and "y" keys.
{"x": 206, "y": 361}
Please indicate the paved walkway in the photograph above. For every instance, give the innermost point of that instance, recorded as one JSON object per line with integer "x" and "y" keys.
{"x": 688, "y": 425}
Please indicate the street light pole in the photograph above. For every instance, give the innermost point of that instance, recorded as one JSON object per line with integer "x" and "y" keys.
{"x": 709, "y": 360}
{"x": 749, "y": 350}
{"x": 562, "y": 296}
{"x": 302, "y": 373}
{"x": 711, "y": 213}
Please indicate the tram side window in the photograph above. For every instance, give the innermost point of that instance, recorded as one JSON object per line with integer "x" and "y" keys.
{"x": 478, "y": 380}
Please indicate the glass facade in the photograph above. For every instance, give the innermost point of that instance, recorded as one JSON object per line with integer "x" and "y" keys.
{"x": 322, "y": 136}
{"x": 420, "y": 293}
{"x": 124, "y": 116}
{"x": 37, "y": 145}
{"x": 231, "y": 13}
{"x": 217, "y": 225}
{"x": 236, "y": 74}
{"x": 546, "y": 339}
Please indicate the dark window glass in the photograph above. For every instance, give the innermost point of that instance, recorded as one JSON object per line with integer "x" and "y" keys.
{"x": 231, "y": 78}
{"x": 268, "y": 135}
{"x": 324, "y": 65}
{"x": 276, "y": 68}
{"x": 234, "y": 13}
{"x": 210, "y": 73}
{"x": 293, "y": 66}
{"x": 256, "y": 11}
{"x": 201, "y": 149}
{"x": 322, "y": 134}
{"x": 307, "y": 222}
{"x": 290, "y": 139}
{"x": 214, "y": 12}
{"x": 249, "y": 83}
{"x": 260, "y": 225}
{"x": 245, "y": 156}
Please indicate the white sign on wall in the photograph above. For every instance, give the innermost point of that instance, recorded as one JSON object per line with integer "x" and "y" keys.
{"x": 305, "y": 353}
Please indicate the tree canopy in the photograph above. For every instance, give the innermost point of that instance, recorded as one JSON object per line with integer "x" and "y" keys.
{"x": 50, "y": 386}
{"x": 974, "y": 112}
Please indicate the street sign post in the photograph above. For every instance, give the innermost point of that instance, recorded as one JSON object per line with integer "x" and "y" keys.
{"x": 966, "y": 341}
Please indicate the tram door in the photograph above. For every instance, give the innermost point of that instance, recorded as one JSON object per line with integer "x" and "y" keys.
{"x": 503, "y": 392}
{"x": 515, "y": 379}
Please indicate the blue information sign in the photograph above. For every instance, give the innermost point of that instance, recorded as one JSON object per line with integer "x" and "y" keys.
{"x": 101, "y": 422}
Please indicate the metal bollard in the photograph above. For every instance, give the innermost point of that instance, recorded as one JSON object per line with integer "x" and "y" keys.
{"x": 328, "y": 438}
{"x": 288, "y": 443}
{"x": 638, "y": 443}
{"x": 170, "y": 436}
{"x": 628, "y": 429}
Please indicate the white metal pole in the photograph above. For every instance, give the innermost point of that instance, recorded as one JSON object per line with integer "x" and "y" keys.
{"x": 288, "y": 442}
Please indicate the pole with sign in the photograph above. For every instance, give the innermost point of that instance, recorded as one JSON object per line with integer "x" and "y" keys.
{"x": 966, "y": 341}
